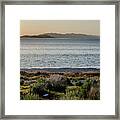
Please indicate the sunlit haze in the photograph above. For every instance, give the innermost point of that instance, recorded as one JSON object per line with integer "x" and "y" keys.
{"x": 31, "y": 27}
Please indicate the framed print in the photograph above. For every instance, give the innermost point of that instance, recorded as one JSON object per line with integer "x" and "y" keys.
{"x": 60, "y": 59}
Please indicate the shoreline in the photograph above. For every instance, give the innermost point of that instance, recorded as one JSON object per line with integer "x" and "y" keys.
{"x": 62, "y": 69}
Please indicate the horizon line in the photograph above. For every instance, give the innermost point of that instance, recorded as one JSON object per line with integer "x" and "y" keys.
{"x": 59, "y": 33}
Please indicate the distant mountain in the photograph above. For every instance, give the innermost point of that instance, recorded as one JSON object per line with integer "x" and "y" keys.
{"x": 59, "y": 35}
{"x": 36, "y": 36}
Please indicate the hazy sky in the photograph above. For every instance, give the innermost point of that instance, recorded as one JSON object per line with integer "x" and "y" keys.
{"x": 91, "y": 27}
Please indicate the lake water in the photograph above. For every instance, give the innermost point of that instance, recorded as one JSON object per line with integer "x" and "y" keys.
{"x": 59, "y": 52}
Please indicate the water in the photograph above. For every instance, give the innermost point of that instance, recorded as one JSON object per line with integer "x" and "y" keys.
{"x": 59, "y": 52}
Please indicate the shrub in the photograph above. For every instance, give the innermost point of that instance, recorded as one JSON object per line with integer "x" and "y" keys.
{"x": 30, "y": 97}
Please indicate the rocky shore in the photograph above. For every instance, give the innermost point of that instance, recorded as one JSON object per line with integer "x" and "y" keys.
{"x": 60, "y": 84}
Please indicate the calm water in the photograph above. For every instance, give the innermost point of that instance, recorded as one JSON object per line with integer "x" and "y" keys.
{"x": 59, "y": 52}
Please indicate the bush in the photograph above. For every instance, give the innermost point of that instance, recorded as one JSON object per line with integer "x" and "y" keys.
{"x": 30, "y": 97}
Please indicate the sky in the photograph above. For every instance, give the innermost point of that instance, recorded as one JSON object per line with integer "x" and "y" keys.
{"x": 34, "y": 27}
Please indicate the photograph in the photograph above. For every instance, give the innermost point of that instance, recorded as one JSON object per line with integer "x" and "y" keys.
{"x": 59, "y": 59}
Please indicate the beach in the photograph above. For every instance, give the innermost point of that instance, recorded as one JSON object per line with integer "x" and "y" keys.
{"x": 64, "y": 67}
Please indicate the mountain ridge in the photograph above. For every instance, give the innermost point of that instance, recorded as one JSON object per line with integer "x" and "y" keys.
{"x": 61, "y": 35}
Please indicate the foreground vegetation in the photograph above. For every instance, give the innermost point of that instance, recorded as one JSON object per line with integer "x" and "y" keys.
{"x": 43, "y": 85}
